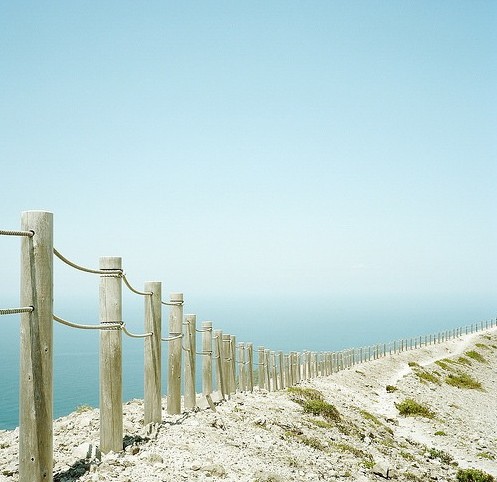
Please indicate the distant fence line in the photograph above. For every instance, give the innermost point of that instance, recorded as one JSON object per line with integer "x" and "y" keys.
{"x": 227, "y": 366}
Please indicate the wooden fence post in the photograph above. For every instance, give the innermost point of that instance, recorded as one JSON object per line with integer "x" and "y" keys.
{"x": 36, "y": 349}
{"x": 152, "y": 353}
{"x": 111, "y": 397}
{"x": 250, "y": 371}
{"x": 241, "y": 367}
{"x": 207, "y": 358}
{"x": 262, "y": 362}
{"x": 233, "y": 363}
{"x": 175, "y": 352}
{"x": 190, "y": 357}
{"x": 227, "y": 363}
{"x": 281, "y": 367}
{"x": 267, "y": 371}
{"x": 218, "y": 345}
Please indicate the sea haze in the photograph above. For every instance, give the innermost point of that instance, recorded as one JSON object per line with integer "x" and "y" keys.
{"x": 319, "y": 324}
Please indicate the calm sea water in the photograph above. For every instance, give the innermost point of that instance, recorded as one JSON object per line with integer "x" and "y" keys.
{"x": 279, "y": 324}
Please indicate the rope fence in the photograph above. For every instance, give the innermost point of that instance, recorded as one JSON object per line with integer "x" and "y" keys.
{"x": 226, "y": 367}
{"x": 14, "y": 311}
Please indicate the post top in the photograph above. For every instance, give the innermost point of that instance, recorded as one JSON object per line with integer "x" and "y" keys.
{"x": 176, "y": 297}
{"x": 110, "y": 262}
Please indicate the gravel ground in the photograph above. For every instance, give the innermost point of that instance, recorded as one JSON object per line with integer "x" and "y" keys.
{"x": 269, "y": 437}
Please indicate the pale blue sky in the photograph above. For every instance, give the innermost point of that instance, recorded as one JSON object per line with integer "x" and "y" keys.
{"x": 260, "y": 148}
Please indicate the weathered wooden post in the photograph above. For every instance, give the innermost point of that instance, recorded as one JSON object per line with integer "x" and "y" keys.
{"x": 227, "y": 363}
{"x": 219, "y": 355}
{"x": 250, "y": 369}
{"x": 261, "y": 363}
{"x": 152, "y": 353}
{"x": 288, "y": 377}
{"x": 190, "y": 357}
{"x": 267, "y": 369}
{"x": 174, "y": 355}
{"x": 111, "y": 401}
{"x": 241, "y": 367}
{"x": 274, "y": 371}
{"x": 36, "y": 349}
{"x": 207, "y": 358}
{"x": 233, "y": 362}
{"x": 281, "y": 367}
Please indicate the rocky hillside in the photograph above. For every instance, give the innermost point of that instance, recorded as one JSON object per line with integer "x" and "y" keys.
{"x": 423, "y": 415}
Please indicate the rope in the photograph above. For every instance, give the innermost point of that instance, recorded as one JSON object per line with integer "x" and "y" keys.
{"x": 174, "y": 336}
{"x": 103, "y": 326}
{"x": 132, "y": 335}
{"x": 173, "y": 303}
{"x": 109, "y": 272}
{"x": 203, "y": 352}
{"x": 13, "y": 311}
{"x": 143, "y": 293}
{"x": 203, "y": 330}
{"x": 29, "y": 234}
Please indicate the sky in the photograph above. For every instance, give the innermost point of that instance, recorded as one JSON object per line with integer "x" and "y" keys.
{"x": 263, "y": 149}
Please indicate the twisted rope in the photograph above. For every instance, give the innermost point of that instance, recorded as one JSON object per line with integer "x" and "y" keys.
{"x": 108, "y": 272}
{"x": 203, "y": 330}
{"x": 203, "y": 352}
{"x": 13, "y": 311}
{"x": 174, "y": 336}
{"x": 173, "y": 303}
{"x": 143, "y": 293}
{"x": 103, "y": 326}
{"x": 29, "y": 234}
{"x": 133, "y": 335}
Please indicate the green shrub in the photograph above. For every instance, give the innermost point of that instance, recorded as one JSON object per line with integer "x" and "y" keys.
{"x": 486, "y": 455}
{"x": 427, "y": 376}
{"x": 482, "y": 345}
{"x": 302, "y": 395}
{"x": 391, "y": 388}
{"x": 476, "y": 356}
{"x": 463, "y": 380}
{"x": 370, "y": 416}
{"x": 410, "y": 408}
{"x": 320, "y": 407}
{"x": 444, "y": 457}
{"x": 473, "y": 475}
{"x": 413, "y": 364}
{"x": 464, "y": 361}
{"x": 440, "y": 433}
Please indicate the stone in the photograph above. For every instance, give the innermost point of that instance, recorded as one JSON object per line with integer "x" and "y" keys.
{"x": 216, "y": 470}
{"x": 87, "y": 451}
{"x": 261, "y": 476}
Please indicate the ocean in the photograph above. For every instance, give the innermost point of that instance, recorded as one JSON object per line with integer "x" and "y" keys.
{"x": 288, "y": 324}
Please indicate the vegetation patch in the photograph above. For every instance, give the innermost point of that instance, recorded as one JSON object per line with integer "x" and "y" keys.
{"x": 407, "y": 456}
{"x": 343, "y": 447}
{"x": 320, "y": 407}
{"x": 427, "y": 377}
{"x": 301, "y": 395}
{"x": 444, "y": 457}
{"x": 312, "y": 442}
{"x": 473, "y": 475}
{"x": 84, "y": 408}
{"x": 410, "y": 408}
{"x": 391, "y": 388}
{"x": 413, "y": 364}
{"x": 370, "y": 416}
{"x": 482, "y": 345}
{"x": 476, "y": 356}
{"x": 486, "y": 455}
{"x": 440, "y": 433}
{"x": 464, "y": 361}
{"x": 463, "y": 380}
{"x": 320, "y": 423}
{"x": 444, "y": 365}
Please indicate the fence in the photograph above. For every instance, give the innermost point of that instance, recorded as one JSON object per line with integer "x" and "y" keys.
{"x": 227, "y": 366}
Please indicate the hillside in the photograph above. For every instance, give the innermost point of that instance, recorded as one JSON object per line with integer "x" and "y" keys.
{"x": 346, "y": 427}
